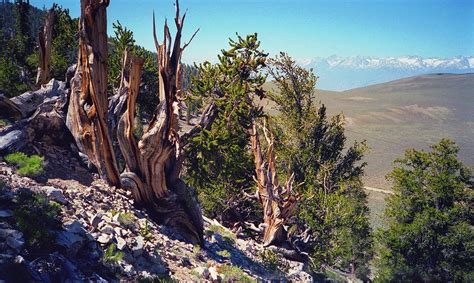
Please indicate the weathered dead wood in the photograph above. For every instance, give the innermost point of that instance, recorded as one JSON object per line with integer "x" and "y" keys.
{"x": 9, "y": 110}
{"x": 45, "y": 39}
{"x": 41, "y": 113}
{"x": 278, "y": 202}
{"x": 153, "y": 163}
{"x": 88, "y": 105}
{"x": 118, "y": 104}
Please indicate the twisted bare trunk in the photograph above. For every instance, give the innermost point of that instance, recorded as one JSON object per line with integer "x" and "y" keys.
{"x": 88, "y": 104}
{"x": 45, "y": 39}
{"x": 278, "y": 202}
{"x": 153, "y": 163}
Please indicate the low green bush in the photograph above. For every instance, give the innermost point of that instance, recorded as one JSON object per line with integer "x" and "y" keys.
{"x": 126, "y": 218}
{"x": 234, "y": 274}
{"x": 4, "y": 123}
{"x": 27, "y": 165}
{"x": 145, "y": 231}
{"x": 36, "y": 216}
{"x": 227, "y": 236}
{"x": 273, "y": 261}
{"x": 224, "y": 253}
{"x": 112, "y": 256}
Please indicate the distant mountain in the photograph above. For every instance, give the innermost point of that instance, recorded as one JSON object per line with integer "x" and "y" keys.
{"x": 343, "y": 73}
{"x": 7, "y": 18}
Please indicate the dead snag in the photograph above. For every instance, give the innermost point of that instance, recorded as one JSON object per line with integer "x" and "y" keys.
{"x": 278, "y": 202}
{"x": 88, "y": 104}
{"x": 153, "y": 163}
{"x": 45, "y": 38}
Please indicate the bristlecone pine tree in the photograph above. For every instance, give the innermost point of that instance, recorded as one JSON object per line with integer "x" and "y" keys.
{"x": 153, "y": 163}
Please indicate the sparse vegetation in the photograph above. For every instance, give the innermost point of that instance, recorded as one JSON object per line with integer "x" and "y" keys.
{"x": 145, "y": 231}
{"x": 156, "y": 279}
{"x": 27, "y": 165}
{"x": 126, "y": 218}
{"x": 196, "y": 250}
{"x": 273, "y": 261}
{"x": 226, "y": 235}
{"x": 4, "y": 123}
{"x": 233, "y": 274}
{"x": 112, "y": 256}
{"x": 223, "y": 253}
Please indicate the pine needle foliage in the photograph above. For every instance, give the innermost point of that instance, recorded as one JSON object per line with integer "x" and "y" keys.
{"x": 219, "y": 161}
{"x": 332, "y": 218}
{"x": 429, "y": 235}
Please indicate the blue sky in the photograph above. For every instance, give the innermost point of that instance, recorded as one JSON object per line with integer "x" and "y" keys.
{"x": 307, "y": 28}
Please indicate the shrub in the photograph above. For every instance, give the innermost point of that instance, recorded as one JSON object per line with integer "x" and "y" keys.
{"x": 112, "y": 256}
{"x": 27, "y": 165}
{"x": 4, "y": 123}
{"x": 35, "y": 217}
{"x": 196, "y": 250}
{"x": 233, "y": 274}
{"x": 145, "y": 231}
{"x": 224, "y": 253}
{"x": 272, "y": 261}
{"x": 226, "y": 235}
{"x": 126, "y": 219}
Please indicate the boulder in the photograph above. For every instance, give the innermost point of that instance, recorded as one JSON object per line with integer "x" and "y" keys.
{"x": 96, "y": 219}
{"x": 121, "y": 244}
{"x": 107, "y": 229}
{"x": 14, "y": 242}
{"x": 299, "y": 276}
{"x": 138, "y": 248}
{"x": 71, "y": 242}
{"x": 104, "y": 239}
{"x": 5, "y": 233}
{"x": 5, "y": 213}
{"x": 214, "y": 275}
{"x": 13, "y": 139}
{"x": 74, "y": 227}
{"x": 202, "y": 271}
{"x": 55, "y": 194}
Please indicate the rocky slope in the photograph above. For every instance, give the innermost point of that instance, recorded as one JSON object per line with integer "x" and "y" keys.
{"x": 101, "y": 236}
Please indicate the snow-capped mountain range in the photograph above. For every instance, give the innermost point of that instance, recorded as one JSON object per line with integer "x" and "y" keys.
{"x": 342, "y": 73}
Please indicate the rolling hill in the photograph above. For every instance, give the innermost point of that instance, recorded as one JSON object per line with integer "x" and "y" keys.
{"x": 413, "y": 112}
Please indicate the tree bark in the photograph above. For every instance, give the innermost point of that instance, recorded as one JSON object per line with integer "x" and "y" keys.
{"x": 153, "y": 163}
{"x": 88, "y": 105}
{"x": 278, "y": 202}
{"x": 45, "y": 39}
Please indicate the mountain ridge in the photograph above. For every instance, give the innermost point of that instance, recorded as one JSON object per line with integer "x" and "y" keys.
{"x": 344, "y": 73}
